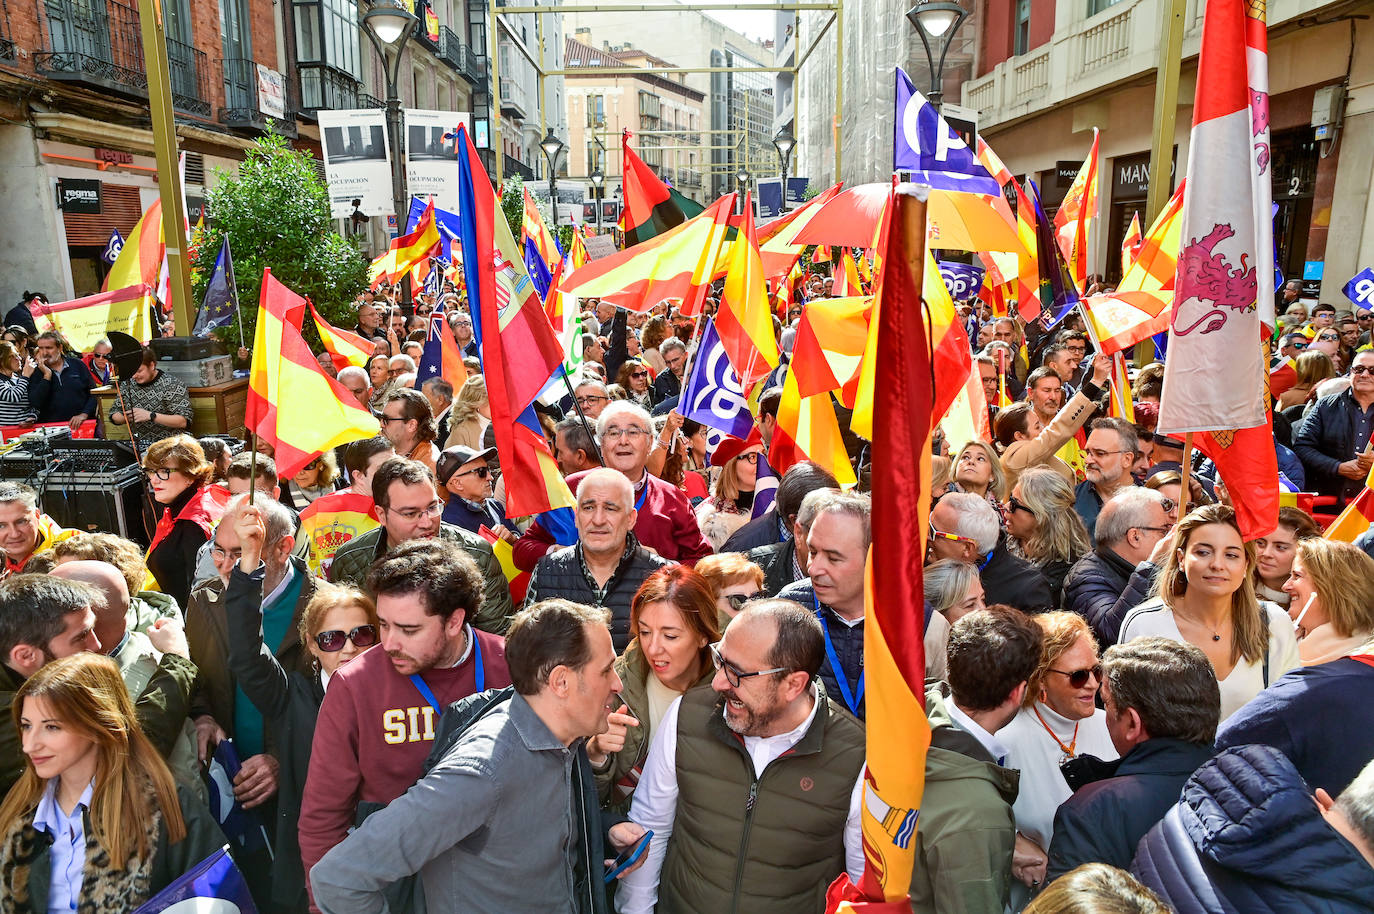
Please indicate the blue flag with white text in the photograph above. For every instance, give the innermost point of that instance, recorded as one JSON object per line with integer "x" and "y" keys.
{"x": 712, "y": 394}
{"x": 213, "y": 886}
{"x": 113, "y": 247}
{"x": 925, "y": 145}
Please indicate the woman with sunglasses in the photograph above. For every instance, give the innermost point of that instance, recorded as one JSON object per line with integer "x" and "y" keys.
{"x": 1275, "y": 553}
{"x": 337, "y": 624}
{"x": 187, "y": 507}
{"x": 316, "y": 478}
{"x": 94, "y": 790}
{"x": 1059, "y": 722}
{"x": 732, "y": 499}
{"x": 14, "y": 388}
{"x": 1043, "y": 527}
{"x": 1205, "y": 595}
{"x": 734, "y": 580}
{"x": 1313, "y": 367}
{"x": 637, "y": 381}
{"x": 673, "y": 620}
{"x": 952, "y": 591}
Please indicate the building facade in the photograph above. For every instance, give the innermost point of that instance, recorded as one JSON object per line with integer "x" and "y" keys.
{"x": 521, "y": 58}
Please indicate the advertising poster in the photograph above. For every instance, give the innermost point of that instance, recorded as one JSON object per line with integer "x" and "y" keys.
{"x": 355, "y": 162}
{"x": 431, "y": 159}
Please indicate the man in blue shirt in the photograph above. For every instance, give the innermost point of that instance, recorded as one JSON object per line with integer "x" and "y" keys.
{"x": 59, "y": 385}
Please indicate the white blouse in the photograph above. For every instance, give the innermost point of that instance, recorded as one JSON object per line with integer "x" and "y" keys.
{"x": 1246, "y": 679}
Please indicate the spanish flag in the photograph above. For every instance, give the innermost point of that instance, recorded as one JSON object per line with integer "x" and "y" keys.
{"x": 344, "y": 346}
{"x": 827, "y": 353}
{"x": 292, "y": 404}
{"x": 744, "y": 320}
{"x": 83, "y": 322}
{"x": 1075, "y": 217}
{"x": 1356, "y": 517}
{"x": 808, "y": 430}
{"x": 777, "y": 248}
{"x": 140, "y": 260}
{"x": 1282, "y": 376}
{"x": 1130, "y": 245}
{"x": 408, "y": 250}
{"x": 330, "y": 521}
{"x": 677, "y": 264}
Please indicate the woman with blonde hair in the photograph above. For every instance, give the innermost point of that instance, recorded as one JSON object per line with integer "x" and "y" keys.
{"x": 1332, "y": 586}
{"x": 95, "y": 822}
{"x": 1058, "y": 722}
{"x": 1314, "y": 366}
{"x": 732, "y": 499}
{"x": 316, "y": 478}
{"x": 978, "y": 470}
{"x": 734, "y": 580}
{"x": 470, "y": 415}
{"x": 1096, "y": 888}
{"x": 1044, "y": 527}
{"x": 1205, "y": 595}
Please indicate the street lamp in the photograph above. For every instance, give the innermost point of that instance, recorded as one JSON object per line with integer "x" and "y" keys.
{"x": 742, "y": 185}
{"x": 784, "y": 143}
{"x": 598, "y": 180}
{"x": 936, "y": 22}
{"x": 552, "y": 146}
{"x": 389, "y": 26}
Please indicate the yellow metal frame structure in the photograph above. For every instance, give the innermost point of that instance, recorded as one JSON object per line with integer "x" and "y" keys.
{"x": 496, "y": 26}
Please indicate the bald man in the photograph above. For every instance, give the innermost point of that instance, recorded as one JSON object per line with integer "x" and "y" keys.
{"x": 156, "y": 667}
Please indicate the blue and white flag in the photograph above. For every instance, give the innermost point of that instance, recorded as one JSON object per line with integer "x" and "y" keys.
{"x": 963, "y": 280}
{"x": 713, "y": 395}
{"x": 221, "y": 303}
{"x": 213, "y": 886}
{"x": 113, "y": 247}
{"x": 242, "y": 826}
{"x": 925, "y": 145}
{"x": 765, "y": 487}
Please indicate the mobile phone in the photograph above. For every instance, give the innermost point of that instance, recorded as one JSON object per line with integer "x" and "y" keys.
{"x": 628, "y": 857}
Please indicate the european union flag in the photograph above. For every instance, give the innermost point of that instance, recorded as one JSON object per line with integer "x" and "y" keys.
{"x": 214, "y": 885}
{"x": 221, "y": 302}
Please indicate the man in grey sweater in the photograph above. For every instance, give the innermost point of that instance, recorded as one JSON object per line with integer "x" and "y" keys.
{"x": 507, "y": 819}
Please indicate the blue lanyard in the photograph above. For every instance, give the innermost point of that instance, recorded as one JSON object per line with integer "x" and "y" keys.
{"x": 428, "y": 694}
{"x": 851, "y": 699}
{"x": 984, "y": 563}
{"x": 639, "y": 502}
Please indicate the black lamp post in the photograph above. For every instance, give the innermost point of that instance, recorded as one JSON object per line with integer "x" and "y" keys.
{"x": 389, "y": 26}
{"x": 598, "y": 181}
{"x": 784, "y": 143}
{"x": 936, "y": 23}
{"x": 552, "y": 146}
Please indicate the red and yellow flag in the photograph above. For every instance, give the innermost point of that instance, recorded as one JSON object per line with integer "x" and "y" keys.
{"x": 677, "y": 264}
{"x": 408, "y": 250}
{"x": 1075, "y": 216}
{"x": 344, "y": 346}
{"x": 1130, "y": 245}
{"x": 744, "y": 320}
{"x": 292, "y": 404}
{"x": 83, "y": 322}
{"x": 330, "y": 521}
{"x": 1282, "y": 376}
{"x": 1356, "y": 517}
{"x": 808, "y": 430}
{"x": 777, "y": 247}
{"x": 140, "y": 260}
{"x": 827, "y": 353}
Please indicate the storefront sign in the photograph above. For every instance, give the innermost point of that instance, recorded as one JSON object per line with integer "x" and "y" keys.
{"x": 78, "y": 195}
{"x": 114, "y": 156}
{"x": 1131, "y": 176}
{"x": 1065, "y": 172}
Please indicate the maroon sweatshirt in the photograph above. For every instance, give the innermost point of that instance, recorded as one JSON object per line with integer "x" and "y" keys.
{"x": 373, "y": 734}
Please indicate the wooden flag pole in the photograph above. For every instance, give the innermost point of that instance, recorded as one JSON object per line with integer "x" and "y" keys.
{"x": 1186, "y": 474}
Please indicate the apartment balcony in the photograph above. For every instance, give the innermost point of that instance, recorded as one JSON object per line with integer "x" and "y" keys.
{"x": 241, "y": 108}
{"x": 323, "y": 87}
{"x": 513, "y": 101}
{"x": 450, "y": 48}
{"x": 369, "y": 101}
{"x": 688, "y": 178}
{"x": 513, "y": 167}
{"x": 474, "y": 68}
{"x": 6, "y": 42}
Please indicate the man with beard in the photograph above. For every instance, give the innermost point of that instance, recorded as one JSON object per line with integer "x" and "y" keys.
{"x": 706, "y": 783}
{"x": 380, "y": 713}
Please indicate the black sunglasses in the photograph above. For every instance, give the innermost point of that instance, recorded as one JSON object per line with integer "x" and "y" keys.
{"x": 479, "y": 472}
{"x": 1079, "y": 678}
{"x": 1013, "y": 505}
{"x": 737, "y": 600}
{"x": 362, "y": 636}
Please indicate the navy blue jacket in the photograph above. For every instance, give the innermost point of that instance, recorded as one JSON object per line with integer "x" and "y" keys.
{"x": 1014, "y": 581}
{"x": 760, "y": 531}
{"x": 1104, "y": 821}
{"x": 848, "y": 642}
{"x": 64, "y": 395}
{"x": 461, "y": 513}
{"x": 1102, "y": 587}
{"x": 1247, "y": 838}
{"x": 1325, "y": 439}
{"x": 1301, "y": 715}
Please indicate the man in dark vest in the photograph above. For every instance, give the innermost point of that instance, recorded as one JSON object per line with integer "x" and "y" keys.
{"x": 760, "y": 761}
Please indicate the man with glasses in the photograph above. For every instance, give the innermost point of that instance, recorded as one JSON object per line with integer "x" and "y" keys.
{"x": 408, "y": 423}
{"x": 965, "y": 528}
{"x": 24, "y": 529}
{"x": 1112, "y": 448}
{"x": 1324, "y": 316}
{"x": 279, "y": 586}
{"x": 665, "y": 523}
{"x": 381, "y": 711}
{"x": 98, "y": 361}
{"x": 461, "y": 324}
{"x": 1162, "y": 704}
{"x": 1292, "y": 345}
{"x": 465, "y": 475}
{"x": 762, "y": 756}
{"x": 592, "y": 396}
{"x": 836, "y": 548}
{"x": 606, "y": 565}
{"x": 1365, "y": 319}
{"x": 409, "y": 508}
{"x": 1132, "y": 541}
{"x": 668, "y": 384}
{"x": 1333, "y": 440}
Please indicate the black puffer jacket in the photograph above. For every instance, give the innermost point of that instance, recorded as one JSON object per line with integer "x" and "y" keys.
{"x": 1248, "y": 837}
{"x": 560, "y": 574}
{"x": 1323, "y": 440}
{"x": 1102, "y": 587}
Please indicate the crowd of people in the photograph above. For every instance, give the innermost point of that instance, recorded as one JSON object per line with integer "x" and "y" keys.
{"x": 656, "y": 700}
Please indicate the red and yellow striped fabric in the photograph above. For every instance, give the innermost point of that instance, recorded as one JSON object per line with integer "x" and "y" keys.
{"x": 1075, "y": 217}
{"x": 1130, "y": 245}
{"x": 808, "y": 430}
{"x": 1356, "y": 517}
{"x": 344, "y": 346}
{"x": 776, "y": 246}
{"x": 1282, "y": 376}
{"x": 408, "y": 250}
{"x": 828, "y": 351}
{"x": 140, "y": 260}
{"x": 744, "y": 320}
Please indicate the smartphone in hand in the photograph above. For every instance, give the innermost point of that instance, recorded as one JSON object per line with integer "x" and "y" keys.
{"x": 627, "y": 858}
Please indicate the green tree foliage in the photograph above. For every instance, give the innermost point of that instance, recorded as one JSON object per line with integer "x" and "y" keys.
{"x": 513, "y": 204}
{"x": 275, "y": 212}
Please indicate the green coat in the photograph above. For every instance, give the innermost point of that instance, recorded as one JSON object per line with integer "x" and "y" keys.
{"x": 967, "y": 831}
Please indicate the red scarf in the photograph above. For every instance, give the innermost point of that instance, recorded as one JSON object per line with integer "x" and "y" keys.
{"x": 204, "y": 509}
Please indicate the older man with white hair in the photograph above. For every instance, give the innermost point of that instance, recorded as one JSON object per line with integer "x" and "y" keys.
{"x": 964, "y": 527}
{"x": 664, "y": 519}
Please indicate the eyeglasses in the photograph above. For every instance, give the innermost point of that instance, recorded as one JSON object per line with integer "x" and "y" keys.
{"x": 952, "y": 537}
{"x": 587, "y": 401}
{"x": 751, "y": 458}
{"x": 99, "y": 355}
{"x": 639, "y": 374}
{"x": 1159, "y": 530}
{"x": 1299, "y": 345}
{"x": 362, "y": 636}
{"x": 632, "y": 432}
{"x": 312, "y": 465}
{"x": 1098, "y": 454}
{"x": 1079, "y": 678}
{"x": 733, "y": 674}
{"x": 384, "y": 418}
{"x": 1362, "y": 369}
{"x": 410, "y": 514}
{"x": 479, "y": 472}
{"x": 1014, "y": 505}
{"x": 162, "y": 473}
{"x": 1365, "y": 317}
{"x": 1328, "y": 337}
{"x": 737, "y": 600}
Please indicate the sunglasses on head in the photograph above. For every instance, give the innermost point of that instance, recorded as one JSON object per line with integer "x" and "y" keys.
{"x": 1079, "y": 678}
{"x": 362, "y": 636}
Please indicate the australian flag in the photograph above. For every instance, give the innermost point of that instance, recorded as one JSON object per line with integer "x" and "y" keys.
{"x": 925, "y": 145}
{"x": 213, "y": 885}
{"x": 221, "y": 302}
{"x": 713, "y": 395}
{"x": 435, "y": 362}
